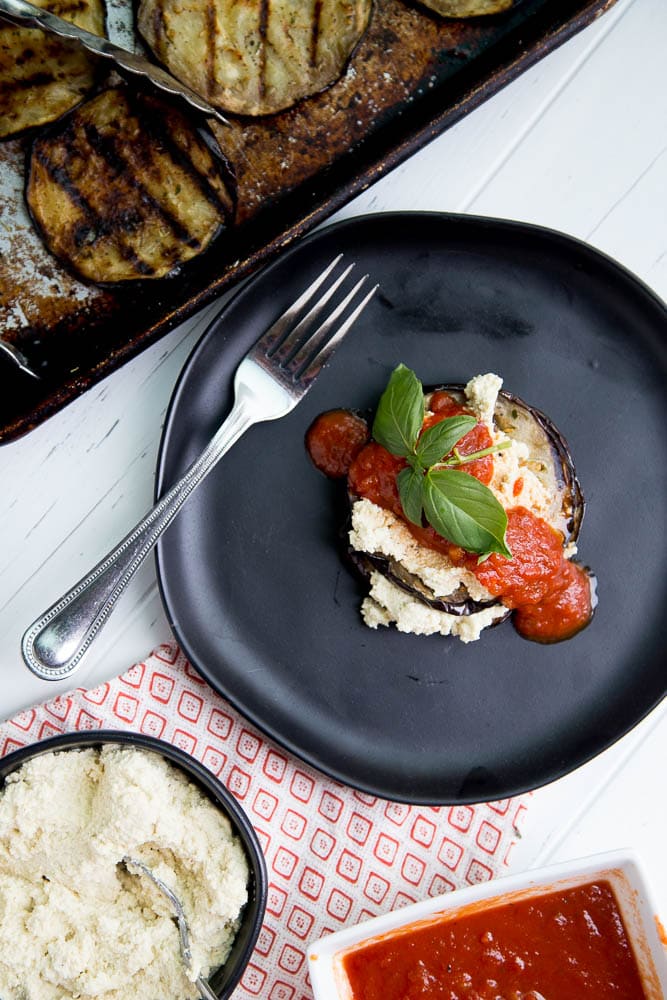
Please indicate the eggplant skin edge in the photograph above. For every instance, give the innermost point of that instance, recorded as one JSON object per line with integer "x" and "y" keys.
{"x": 364, "y": 563}
{"x": 463, "y": 9}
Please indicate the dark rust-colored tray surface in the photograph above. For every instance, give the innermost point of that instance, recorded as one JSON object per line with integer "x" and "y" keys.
{"x": 412, "y": 76}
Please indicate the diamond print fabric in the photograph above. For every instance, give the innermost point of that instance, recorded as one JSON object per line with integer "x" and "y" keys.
{"x": 334, "y": 855}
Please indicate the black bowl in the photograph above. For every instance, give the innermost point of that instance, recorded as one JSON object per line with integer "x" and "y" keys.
{"x": 226, "y": 978}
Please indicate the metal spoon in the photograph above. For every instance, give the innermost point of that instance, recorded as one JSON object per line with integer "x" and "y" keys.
{"x": 205, "y": 990}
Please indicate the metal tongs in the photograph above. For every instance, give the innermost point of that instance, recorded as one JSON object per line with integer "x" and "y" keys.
{"x": 26, "y": 15}
{"x": 12, "y": 352}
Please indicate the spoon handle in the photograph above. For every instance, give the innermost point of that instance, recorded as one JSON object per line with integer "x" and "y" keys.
{"x": 205, "y": 990}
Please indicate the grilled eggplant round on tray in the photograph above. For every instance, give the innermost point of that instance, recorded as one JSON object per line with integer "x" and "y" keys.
{"x": 451, "y": 542}
{"x": 254, "y": 58}
{"x": 42, "y": 77}
{"x": 125, "y": 188}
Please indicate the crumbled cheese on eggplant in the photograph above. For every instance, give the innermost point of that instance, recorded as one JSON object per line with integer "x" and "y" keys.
{"x": 379, "y": 532}
{"x": 481, "y": 394}
{"x": 514, "y": 483}
{"x": 388, "y": 604}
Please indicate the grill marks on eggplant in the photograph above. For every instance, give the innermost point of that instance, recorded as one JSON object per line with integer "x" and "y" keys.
{"x": 315, "y": 38}
{"x": 91, "y": 225}
{"x": 263, "y": 31}
{"x": 125, "y": 188}
{"x": 254, "y": 57}
{"x": 181, "y": 152}
{"x": 129, "y": 169}
{"x": 41, "y": 77}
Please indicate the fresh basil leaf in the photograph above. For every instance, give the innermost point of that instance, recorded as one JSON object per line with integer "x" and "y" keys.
{"x": 400, "y": 413}
{"x": 438, "y": 440}
{"x": 410, "y": 483}
{"x": 466, "y": 512}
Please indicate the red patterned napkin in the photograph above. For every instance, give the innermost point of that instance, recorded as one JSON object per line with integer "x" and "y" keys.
{"x": 334, "y": 855}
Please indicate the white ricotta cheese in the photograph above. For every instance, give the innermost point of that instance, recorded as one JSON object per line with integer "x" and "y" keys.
{"x": 74, "y": 923}
{"x": 379, "y": 532}
{"x": 481, "y": 394}
{"x": 388, "y": 604}
{"x": 514, "y": 483}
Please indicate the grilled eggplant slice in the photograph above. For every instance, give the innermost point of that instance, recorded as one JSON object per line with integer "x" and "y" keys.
{"x": 41, "y": 77}
{"x": 254, "y": 57}
{"x": 125, "y": 188}
{"x": 552, "y": 464}
{"x": 458, "y": 603}
{"x": 467, "y": 8}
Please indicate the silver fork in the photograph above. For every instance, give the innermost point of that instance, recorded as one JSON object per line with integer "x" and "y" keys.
{"x": 271, "y": 379}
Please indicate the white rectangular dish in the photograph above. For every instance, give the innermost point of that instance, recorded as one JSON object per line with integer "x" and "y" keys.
{"x": 620, "y": 869}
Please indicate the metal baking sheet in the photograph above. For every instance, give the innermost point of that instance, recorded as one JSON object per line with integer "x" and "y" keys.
{"x": 412, "y": 76}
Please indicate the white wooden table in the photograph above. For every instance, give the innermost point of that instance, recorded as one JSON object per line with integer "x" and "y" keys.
{"x": 578, "y": 143}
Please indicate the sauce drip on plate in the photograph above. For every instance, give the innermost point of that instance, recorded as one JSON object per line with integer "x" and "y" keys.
{"x": 334, "y": 439}
{"x": 564, "y": 944}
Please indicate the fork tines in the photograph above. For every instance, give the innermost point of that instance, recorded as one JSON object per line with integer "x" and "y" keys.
{"x": 302, "y": 354}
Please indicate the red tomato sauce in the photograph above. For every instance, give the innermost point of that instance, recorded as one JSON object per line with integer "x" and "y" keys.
{"x": 567, "y": 945}
{"x": 549, "y": 594}
{"x": 334, "y": 439}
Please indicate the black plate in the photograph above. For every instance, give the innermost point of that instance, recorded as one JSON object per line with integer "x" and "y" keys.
{"x": 250, "y": 573}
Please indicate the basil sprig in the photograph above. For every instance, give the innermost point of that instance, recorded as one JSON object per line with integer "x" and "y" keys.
{"x": 457, "y": 505}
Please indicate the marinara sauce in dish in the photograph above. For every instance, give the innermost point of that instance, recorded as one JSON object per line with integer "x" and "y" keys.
{"x": 566, "y": 945}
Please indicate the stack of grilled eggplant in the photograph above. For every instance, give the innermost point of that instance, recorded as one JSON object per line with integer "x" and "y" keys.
{"x": 552, "y": 464}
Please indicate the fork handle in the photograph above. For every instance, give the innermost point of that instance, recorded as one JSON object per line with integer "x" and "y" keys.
{"x": 54, "y": 644}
